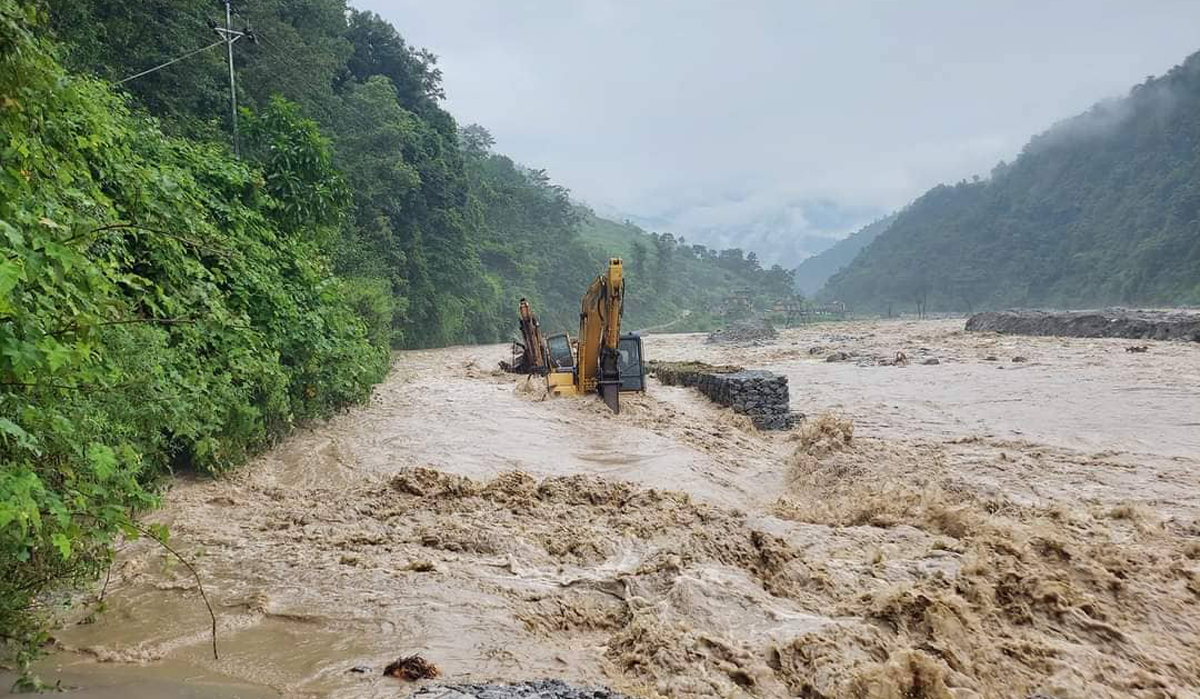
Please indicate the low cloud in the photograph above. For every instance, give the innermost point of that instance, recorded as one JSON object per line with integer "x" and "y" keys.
{"x": 776, "y": 124}
{"x": 781, "y": 227}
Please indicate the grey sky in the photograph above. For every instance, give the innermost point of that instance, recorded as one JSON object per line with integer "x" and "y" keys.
{"x": 774, "y": 124}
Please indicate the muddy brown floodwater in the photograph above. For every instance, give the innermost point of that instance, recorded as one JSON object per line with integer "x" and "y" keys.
{"x": 1021, "y": 518}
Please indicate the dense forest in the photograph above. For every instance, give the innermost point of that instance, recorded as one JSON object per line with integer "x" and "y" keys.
{"x": 1103, "y": 208}
{"x": 457, "y": 231}
{"x": 171, "y": 299}
{"x": 812, "y": 273}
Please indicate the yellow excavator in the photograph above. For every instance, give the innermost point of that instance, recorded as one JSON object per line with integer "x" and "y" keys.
{"x": 529, "y": 354}
{"x": 602, "y": 360}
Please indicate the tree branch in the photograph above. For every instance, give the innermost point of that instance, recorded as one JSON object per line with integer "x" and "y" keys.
{"x": 199, "y": 585}
{"x": 126, "y": 321}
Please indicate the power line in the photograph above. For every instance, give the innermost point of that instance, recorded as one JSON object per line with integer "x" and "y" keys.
{"x": 173, "y": 61}
{"x": 229, "y": 36}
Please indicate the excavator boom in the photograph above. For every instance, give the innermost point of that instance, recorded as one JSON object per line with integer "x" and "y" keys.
{"x": 599, "y": 332}
{"x": 532, "y": 357}
{"x": 605, "y": 361}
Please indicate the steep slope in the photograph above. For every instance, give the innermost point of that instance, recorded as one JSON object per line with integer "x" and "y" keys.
{"x": 1103, "y": 208}
{"x": 813, "y": 272}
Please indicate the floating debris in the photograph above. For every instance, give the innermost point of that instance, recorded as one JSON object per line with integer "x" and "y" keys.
{"x": 412, "y": 668}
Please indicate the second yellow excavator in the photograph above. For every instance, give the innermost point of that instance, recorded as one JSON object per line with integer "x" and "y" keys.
{"x": 604, "y": 361}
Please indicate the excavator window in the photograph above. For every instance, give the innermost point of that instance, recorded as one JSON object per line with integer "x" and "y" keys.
{"x": 629, "y": 363}
{"x": 559, "y": 349}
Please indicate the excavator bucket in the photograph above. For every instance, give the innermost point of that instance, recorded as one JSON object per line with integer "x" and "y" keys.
{"x": 611, "y": 393}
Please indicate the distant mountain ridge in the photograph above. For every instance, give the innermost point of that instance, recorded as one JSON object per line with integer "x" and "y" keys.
{"x": 779, "y": 229}
{"x": 1102, "y": 208}
{"x": 812, "y": 273}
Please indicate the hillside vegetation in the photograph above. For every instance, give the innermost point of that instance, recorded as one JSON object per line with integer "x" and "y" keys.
{"x": 170, "y": 302}
{"x": 812, "y": 273}
{"x": 457, "y": 231}
{"x": 162, "y": 306}
{"x": 678, "y": 286}
{"x": 1103, "y": 208}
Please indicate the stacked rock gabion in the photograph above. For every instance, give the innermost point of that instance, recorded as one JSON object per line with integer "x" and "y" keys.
{"x": 760, "y": 395}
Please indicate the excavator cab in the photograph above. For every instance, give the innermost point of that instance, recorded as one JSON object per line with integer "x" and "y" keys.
{"x": 631, "y": 370}
{"x": 629, "y": 365}
{"x": 560, "y": 380}
{"x": 558, "y": 348}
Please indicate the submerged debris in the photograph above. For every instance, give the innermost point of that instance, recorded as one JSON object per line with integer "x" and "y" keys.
{"x": 412, "y": 668}
{"x": 537, "y": 689}
{"x": 746, "y": 332}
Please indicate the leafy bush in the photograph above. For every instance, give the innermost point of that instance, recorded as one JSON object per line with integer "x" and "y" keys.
{"x": 161, "y": 306}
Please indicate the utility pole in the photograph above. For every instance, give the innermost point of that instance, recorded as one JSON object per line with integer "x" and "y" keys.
{"x": 237, "y": 148}
{"x": 230, "y": 36}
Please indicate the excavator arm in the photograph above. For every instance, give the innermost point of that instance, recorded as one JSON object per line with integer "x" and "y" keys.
{"x": 535, "y": 346}
{"x": 599, "y": 335}
{"x": 532, "y": 356}
{"x": 603, "y": 361}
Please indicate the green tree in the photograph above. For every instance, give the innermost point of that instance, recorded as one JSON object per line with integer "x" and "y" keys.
{"x": 638, "y": 261}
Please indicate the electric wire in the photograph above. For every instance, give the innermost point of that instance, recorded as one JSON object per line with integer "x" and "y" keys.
{"x": 173, "y": 61}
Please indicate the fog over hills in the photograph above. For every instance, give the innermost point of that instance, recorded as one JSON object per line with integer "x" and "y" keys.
{"x": 779, "y": 233}
{"x": 1102, "y": 208}
{"x": 775, "y": 125}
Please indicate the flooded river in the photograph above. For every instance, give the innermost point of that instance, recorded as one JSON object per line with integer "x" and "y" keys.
{"x": 1021, "y": 516}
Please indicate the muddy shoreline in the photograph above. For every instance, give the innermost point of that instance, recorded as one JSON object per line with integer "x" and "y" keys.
{"x": 979, "y": 527}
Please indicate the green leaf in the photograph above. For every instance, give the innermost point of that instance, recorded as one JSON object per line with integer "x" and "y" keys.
{"x": 62, "y": 543}
{"x": 22, "y": 438}
{"x": 160, "y": 532}
{"x": 10, "y": 274}
{"x": 57, "y": 354}
{"x": 103, "y": 461}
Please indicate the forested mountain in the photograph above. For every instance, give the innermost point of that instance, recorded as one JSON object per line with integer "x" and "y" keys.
{"x": 457, "y": 231}
{"x": 1103, "y": 208}
{"x": 812, "y": 273}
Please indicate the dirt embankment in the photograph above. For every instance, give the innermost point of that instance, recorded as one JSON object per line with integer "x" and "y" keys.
{"x": 1113, "y": 322}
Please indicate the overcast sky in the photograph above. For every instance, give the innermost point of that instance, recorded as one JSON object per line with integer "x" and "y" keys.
{"x": 775, "y": 123}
